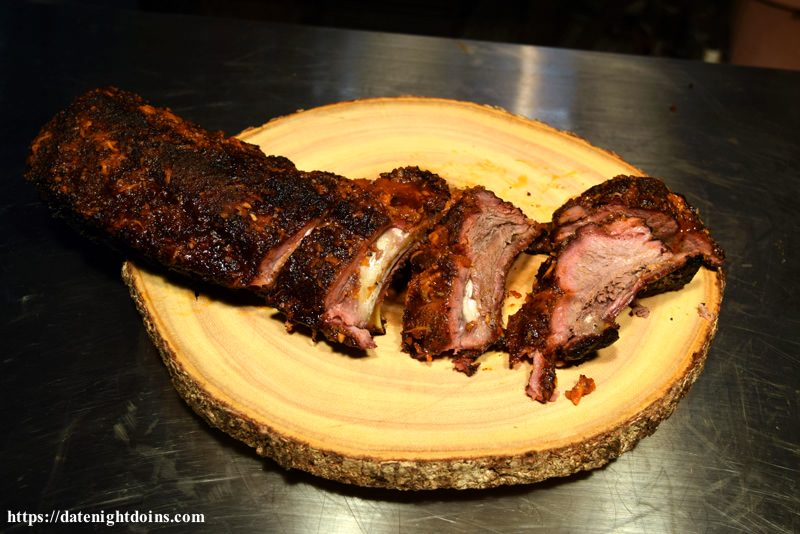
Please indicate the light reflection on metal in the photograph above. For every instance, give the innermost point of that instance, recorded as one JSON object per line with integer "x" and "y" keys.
{"x": 536, "y": 90}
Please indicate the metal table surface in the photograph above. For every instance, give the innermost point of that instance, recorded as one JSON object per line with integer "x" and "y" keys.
{"x": 90, "y": 421}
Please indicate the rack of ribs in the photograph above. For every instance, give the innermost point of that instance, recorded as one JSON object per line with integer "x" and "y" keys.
{"x": 319, "y": 247}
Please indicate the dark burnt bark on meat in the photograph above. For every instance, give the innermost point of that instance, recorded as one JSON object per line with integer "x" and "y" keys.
{"x": 455, "y": 295}
{"x": 218, "y": 209}
{"x": 148, "y": 181}
{"x": 628, "y": 237}
{"x": 322, "y": 256}
{"x": 320, "y": 283}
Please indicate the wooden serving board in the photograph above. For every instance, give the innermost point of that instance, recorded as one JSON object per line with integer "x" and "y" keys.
{"x": 385, "y": 419}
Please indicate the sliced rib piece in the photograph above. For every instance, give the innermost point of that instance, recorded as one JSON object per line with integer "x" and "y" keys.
{"x": 668, "y": 215}
{"x": 218, "y": 209}
{"x": 336, "y": 279}
{"x": 455, "y": 296}
{"x": 626, "y": 237}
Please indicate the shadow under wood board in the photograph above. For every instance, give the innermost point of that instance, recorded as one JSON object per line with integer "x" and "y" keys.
{"x": 385, "y": 419}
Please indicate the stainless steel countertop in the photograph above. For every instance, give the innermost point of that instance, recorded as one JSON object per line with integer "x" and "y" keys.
{"x": 90, "y": 421}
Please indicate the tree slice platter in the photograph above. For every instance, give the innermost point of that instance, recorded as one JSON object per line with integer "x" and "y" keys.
{"x": 383, "y": 418}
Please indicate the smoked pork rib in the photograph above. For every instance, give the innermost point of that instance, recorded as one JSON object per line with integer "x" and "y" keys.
{"x": 626, "y": 237}
{"x": 455, "y": 295}
{"x": 213, "y": 207}
{"x": 668, "y": 215}
{"x": 338, "y": 274}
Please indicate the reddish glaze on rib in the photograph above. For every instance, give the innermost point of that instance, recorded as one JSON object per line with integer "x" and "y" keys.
{"x": 627, "y": 237}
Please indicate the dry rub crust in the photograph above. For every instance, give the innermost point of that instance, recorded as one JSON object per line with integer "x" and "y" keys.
{"x": 409, "y": 198}
{"x": 303, "y": 284}
{"x": 457, "y": 472}
{"x": 148, "y": 181}
{"x": 430, "y": 326}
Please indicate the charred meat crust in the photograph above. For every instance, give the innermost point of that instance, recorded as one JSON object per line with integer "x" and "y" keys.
{"x": 464, "y": 262}
{"x": 327, "y": 260}
{"x": 426, "y": 318}
{"x": 144, "y": 179}
{"x": 216, "y": 208}
{"x": 415, "y": 199}
{"x": 310, "y": 272}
